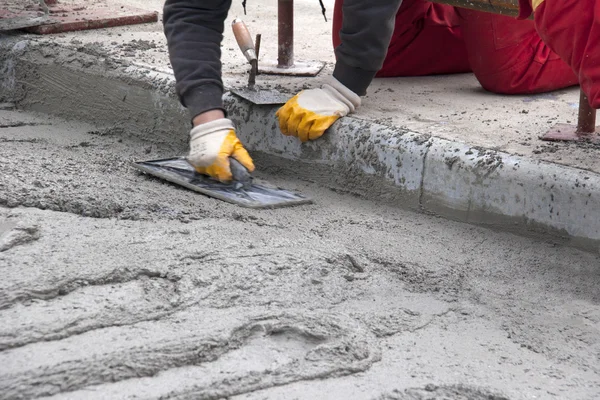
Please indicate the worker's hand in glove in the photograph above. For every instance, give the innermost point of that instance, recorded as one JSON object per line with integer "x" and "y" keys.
{"x": 308, "y": 114}
{"x": 211, "y": 145}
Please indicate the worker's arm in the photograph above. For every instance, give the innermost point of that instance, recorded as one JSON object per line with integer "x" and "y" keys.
{"x": 367, "y": 29}
{"x": 366, "y": 33}
{"x": 194, "y": 31}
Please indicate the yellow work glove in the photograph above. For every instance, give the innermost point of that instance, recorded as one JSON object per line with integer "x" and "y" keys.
{"x": 211, "y": 145}
{"x": 308, "y": 114}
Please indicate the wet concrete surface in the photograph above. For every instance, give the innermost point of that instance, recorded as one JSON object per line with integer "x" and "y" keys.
{"x": 117, "y": 285}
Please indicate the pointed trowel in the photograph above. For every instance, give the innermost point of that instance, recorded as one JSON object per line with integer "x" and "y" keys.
{"x": 252, "y": 51}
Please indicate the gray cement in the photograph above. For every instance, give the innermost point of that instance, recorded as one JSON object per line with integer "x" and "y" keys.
{"x": 374, "y": 159}
{"x": 116, "y": 285}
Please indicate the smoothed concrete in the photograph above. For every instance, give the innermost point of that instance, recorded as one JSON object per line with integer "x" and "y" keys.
{"x": 376, "y": 160}
{"x": 489, "y": 187}
{"x": 373, "y": 160}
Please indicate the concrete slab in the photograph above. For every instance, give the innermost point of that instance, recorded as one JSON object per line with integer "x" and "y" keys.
{"x": 18, "y": 14}
{"x": 116, "y": 285}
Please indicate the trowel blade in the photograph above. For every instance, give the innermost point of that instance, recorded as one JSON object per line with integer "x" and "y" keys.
{"x": 260, "y": 195}
{"x": 262, "y": 97}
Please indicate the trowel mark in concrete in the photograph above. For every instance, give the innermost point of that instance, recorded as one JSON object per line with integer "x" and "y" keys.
{"x": 450, "y": 392}
{"x": 90, "y": 308}
{"x": 21, "y": 234}
{"x": 227, "y": 349}
{"x": 18, "y": 294}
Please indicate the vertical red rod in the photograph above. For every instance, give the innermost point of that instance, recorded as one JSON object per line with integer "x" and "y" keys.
{"x": 285, "y": 13}
{"x": 587, "y": 116}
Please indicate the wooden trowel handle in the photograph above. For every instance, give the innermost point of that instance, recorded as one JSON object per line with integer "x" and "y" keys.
{"x": 244, "y": 39}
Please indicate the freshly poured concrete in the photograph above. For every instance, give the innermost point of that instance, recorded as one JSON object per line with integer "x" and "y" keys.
{"x": 116, "y": 285}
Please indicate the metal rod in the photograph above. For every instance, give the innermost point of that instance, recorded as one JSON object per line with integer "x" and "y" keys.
{"x": 586, "y": 122}
{"x": 257, "y": 45}
{"x": 503, "y": 7}
{"x": 252, "y": 74}
{"x": 285, "y": 13}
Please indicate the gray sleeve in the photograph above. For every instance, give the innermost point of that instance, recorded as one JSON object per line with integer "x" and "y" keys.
{"x": 194, "y": 31}
{"x": 367, "y": 29}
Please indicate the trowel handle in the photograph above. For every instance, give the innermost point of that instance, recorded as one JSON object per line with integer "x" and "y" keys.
{"x": 244, "y": 39}
{"x": 240, "y": 173}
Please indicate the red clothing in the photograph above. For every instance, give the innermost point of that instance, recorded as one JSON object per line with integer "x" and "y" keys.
{"x": 427, "y": 40}
{"x": 572, "y": 29}
{"x": 506, "y": 55}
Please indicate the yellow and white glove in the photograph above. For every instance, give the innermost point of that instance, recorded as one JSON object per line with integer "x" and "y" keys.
{"x": 211, "y": 145}
{"x": 308, "y": 114}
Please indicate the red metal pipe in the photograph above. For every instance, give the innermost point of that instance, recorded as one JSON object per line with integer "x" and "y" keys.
{"x": 285, "y": 51}
{"x": 586, "y": 123}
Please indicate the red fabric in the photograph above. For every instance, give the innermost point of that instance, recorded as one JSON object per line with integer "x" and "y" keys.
{"x": 426, "y": 41}
{"x": 524, "y": 9}
{"x": 572, "y": 29}
{"x": 508, "y": 56}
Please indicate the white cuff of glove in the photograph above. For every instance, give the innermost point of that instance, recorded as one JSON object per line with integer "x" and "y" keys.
{"x": 223, "y": 124}
{"x": 342, "y": 93}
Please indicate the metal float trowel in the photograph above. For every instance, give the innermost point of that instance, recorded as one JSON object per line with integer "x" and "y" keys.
{"x": 243, "y": 190}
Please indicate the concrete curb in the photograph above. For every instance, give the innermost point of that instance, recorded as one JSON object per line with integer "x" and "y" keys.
{"x": 447, "y": 178}
{"x": 408, "y": 168}
{"x": 483, "y": 186}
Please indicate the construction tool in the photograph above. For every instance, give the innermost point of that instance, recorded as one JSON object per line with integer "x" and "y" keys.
{"x": 285, "y": 63}
{"x": 243, "y": 190}
{"x": 251, "y": 51}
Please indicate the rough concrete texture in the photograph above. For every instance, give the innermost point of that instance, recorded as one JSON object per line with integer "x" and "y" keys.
{"x": 387, "y": 162}
{"x": 17, "y": 14}
{"x": 72, "y": 84}
{"x": 454, "y": 107}
{"x": 116, "y": 285}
